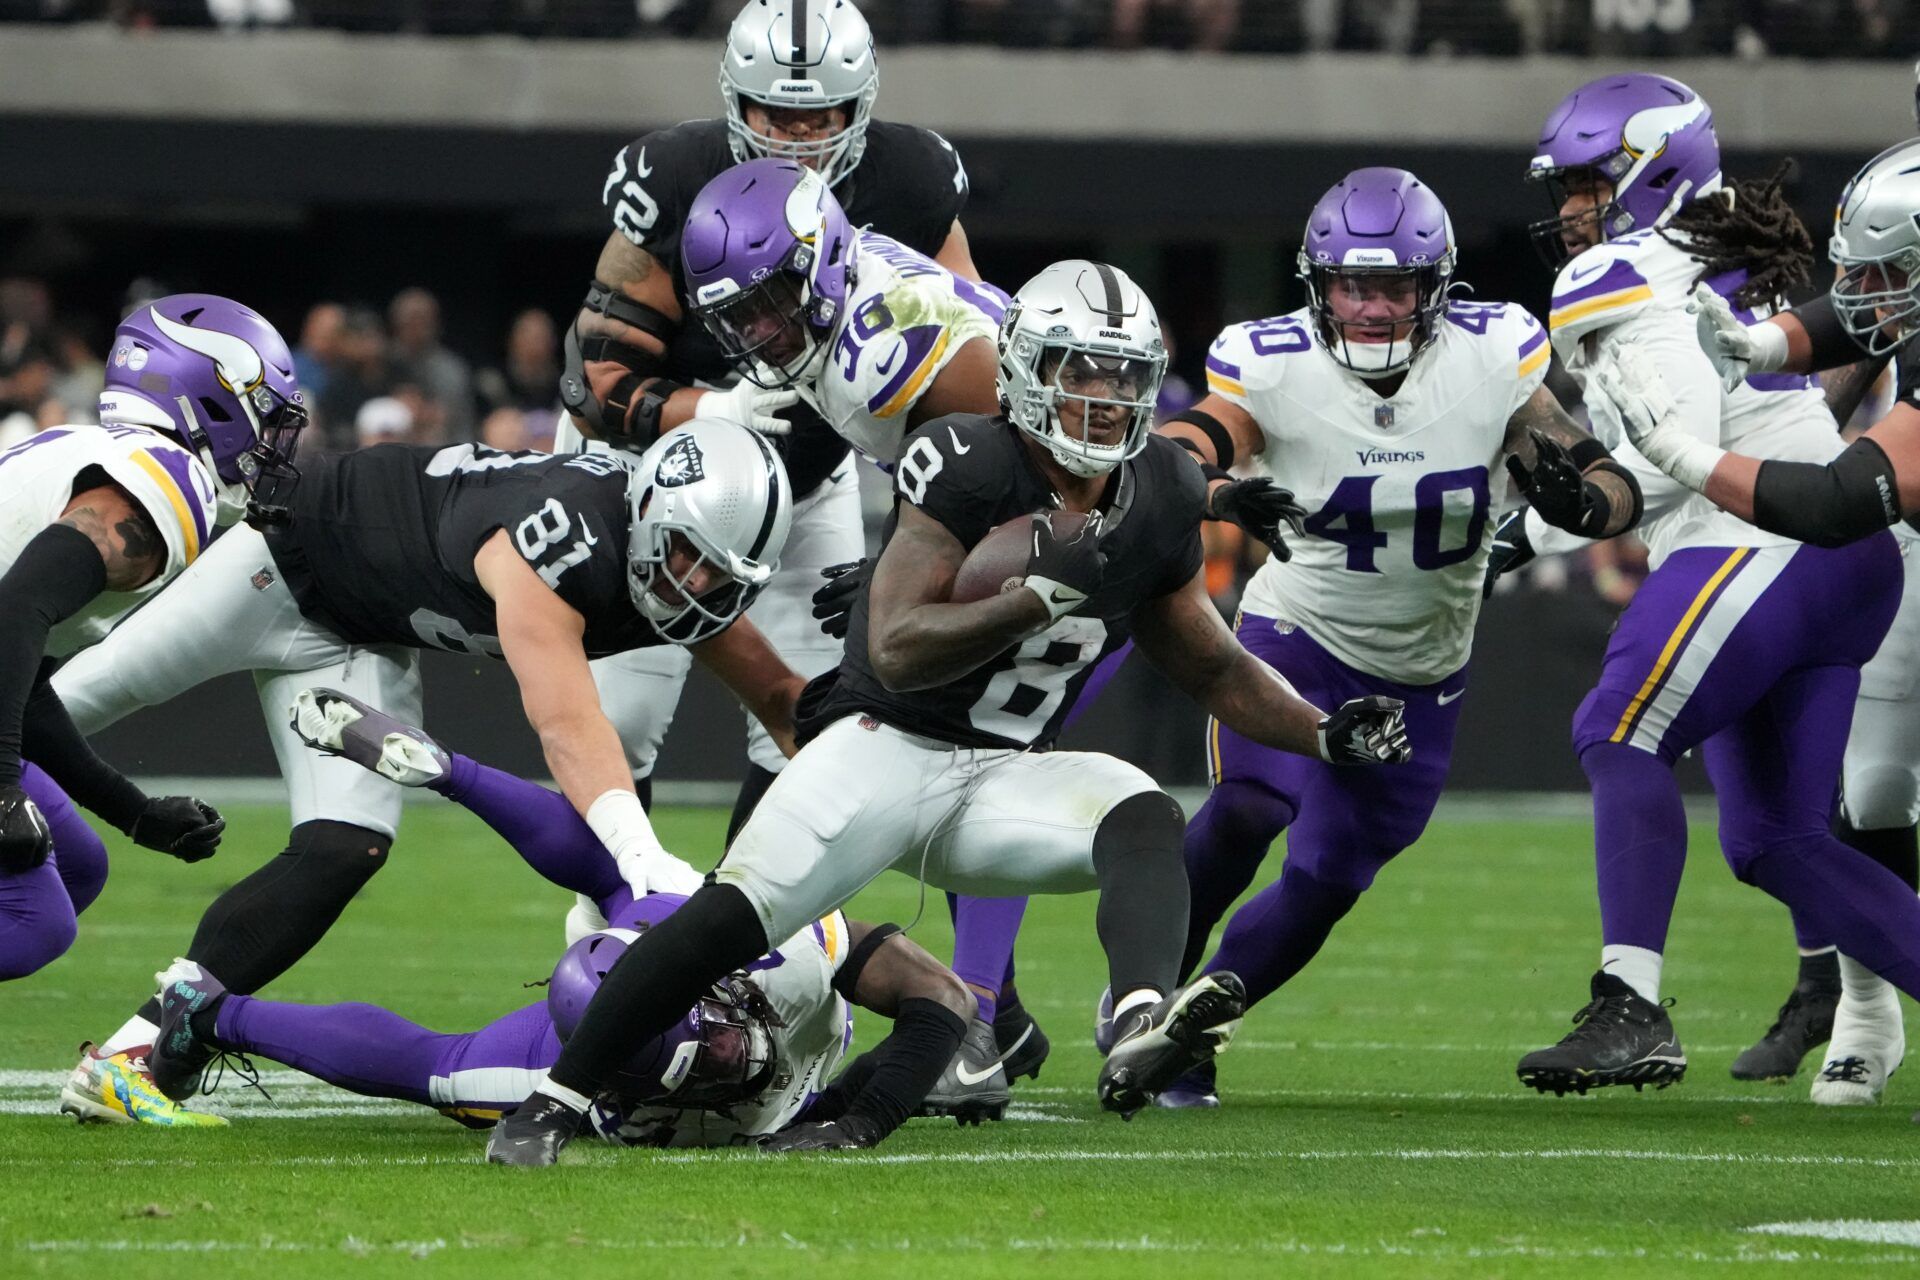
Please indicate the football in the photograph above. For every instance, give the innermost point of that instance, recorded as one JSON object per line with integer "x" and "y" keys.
{"x": 998, "y": 562}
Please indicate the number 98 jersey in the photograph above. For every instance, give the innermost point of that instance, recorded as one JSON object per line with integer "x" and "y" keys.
{"x": 1400, "y": 489}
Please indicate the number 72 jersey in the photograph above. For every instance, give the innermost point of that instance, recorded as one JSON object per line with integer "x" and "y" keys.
{"x": 1399, "y": 489}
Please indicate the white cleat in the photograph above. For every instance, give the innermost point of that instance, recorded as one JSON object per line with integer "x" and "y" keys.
{"x": 1868, "y": 1045}
{"x": 339, "y": 724}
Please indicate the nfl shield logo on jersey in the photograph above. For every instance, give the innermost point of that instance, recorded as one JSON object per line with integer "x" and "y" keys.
{"x": 681, "y": 465}
{"x": 1383, "y": 416}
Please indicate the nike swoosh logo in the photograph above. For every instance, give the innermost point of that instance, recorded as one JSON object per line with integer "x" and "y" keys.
{"x": 1578, "y": 274}
{"x": 970, "y": 1078}
{"x": 885, "y": 367}
{"x": 1445, "y": 698}
{"x": 1068, "y": 597}
{"x": 957, "y": 446}
{"x": 640, "y": 167}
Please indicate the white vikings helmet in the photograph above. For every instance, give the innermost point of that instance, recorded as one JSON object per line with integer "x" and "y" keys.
{"x": 1876, "y": 240}
{"x": 1075, "y": 329}
{"x": 716, "y": 493}
{"x": 801, "y": 53}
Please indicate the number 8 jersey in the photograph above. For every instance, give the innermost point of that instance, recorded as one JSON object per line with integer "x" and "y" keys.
{"x": 1400, "y": 488}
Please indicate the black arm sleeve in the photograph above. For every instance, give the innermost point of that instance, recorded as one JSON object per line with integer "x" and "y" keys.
{"x": 57, "y": 573}
{"x": 52, "y": 741}
{"x": 1832, "y": 505}
{"x": 1832, "y": 345}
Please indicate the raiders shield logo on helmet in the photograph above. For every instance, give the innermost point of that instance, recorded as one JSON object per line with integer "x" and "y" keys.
{"x": 681, "y": 464}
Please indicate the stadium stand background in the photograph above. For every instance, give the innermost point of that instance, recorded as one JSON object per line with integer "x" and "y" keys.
{"x": 416, "y": 194}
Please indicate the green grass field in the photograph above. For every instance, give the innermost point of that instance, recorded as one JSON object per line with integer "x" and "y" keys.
{"x": 1373, "y": 1124}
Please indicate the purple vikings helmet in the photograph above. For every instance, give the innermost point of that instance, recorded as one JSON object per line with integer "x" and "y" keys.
{"x": 766, "y": 255}
{"x": 1648, "y": 137}
{"x": 215, "y": 376}
{"x": 1377, "y": 225}
{"x": 719, "y": 1054}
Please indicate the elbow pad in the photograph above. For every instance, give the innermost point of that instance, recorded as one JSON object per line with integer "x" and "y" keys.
{"x": 630, "y": 415}
{"x": 1828, "y": 506}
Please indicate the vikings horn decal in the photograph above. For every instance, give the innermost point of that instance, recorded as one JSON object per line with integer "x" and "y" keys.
{"x": 682, "y": 464}
{"x": 234, "y": 359}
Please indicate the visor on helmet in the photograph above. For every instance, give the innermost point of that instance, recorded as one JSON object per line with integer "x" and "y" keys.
{"x": 731, "y": 1057}
{"x": 763, "y": 329}
{"x": 1375, "y": 346}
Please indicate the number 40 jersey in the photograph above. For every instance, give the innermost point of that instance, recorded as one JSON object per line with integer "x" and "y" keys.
{"x": 1400, "y": 488}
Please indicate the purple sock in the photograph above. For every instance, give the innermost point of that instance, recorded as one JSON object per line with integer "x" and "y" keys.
{"x": 983, "y": 934}
{"x": 1639, "y": 843}
{"x": 1846, "y": 895}
{"x": 36, "y": 921}
{"x": 1225, "y": 845}
{"x": 542, "y": 827}
{"x": 1273, "y": 936}
{"x": 361, "y": 1047}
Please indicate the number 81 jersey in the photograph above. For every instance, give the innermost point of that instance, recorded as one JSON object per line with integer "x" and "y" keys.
{"x": 1400, "y": 488}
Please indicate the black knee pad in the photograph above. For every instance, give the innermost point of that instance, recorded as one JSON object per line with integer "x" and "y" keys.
{"x": 1150, "y": 820}
{"x": 340, "y": 848}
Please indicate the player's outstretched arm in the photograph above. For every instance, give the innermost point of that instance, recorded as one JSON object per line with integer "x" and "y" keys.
{"x": 916, "y": 638}
{"x": 615, "y": 385}
{"x": 766, "y": 686}
{"x": 1568, "y": 477}
{"x": 1216, "y": 432}
{"x": 1872, "y": 484}
{"x": 1184, "y": 636}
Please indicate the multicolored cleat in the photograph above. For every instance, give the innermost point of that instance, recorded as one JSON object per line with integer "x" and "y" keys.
{"x": 339, "y": 724}
{"x": 117, "y": 1089}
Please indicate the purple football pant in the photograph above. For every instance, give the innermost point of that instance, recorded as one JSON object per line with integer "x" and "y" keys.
{"x": 39, "y": 909}
{"x": 474, "y": 1075}
{"x": 1343, "y": 823}
{"x": 1753, "y": 655}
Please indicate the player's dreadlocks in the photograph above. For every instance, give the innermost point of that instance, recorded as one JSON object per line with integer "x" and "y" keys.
{"x": 1749, "y": 225}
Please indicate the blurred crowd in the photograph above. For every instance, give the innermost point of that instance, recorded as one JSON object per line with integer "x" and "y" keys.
{"x": 1638, "y": 28}
{"x": 370, "y": 376}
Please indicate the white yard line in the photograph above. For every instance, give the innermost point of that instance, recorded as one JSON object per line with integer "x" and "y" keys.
{"x": 1863, "y": 1230}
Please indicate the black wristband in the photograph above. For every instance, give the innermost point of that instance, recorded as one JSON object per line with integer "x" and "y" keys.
{"x": 1828, "y": 340}
{"x": 1604, "y": 505}
{"x": 1587, "y": 451}
{"x": 1213, "y": 429}
{"x": 1192, "y": 446}
{"x": 1829, "y": 506}
{"x": 1213, "y": 473}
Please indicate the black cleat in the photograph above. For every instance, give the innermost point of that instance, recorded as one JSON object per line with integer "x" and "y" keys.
{"x": 179, "y": 1058}
{"x": 536, "y": 1134}
{"x": 1023, "y": 1045}
{"x": 1804, "y": 1024}
{"x": 974, "y": 1086}
{"x": 1159, "y": 1045}
{"x": 845, "y": 1134}
{"x": 1620, "y": 1037}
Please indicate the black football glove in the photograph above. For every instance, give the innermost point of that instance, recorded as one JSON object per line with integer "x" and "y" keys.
{"x": 25, "y": 839}
{"x": 1511, "y": 549}
{"x": 180, "y": 826}
{"x": 1064, "y": 573}
{"x": 833, "y": 603}
{"x": 1556, "y": 489}
{"x": 1260, "y": 507}
{"x": 1366, "y": 731}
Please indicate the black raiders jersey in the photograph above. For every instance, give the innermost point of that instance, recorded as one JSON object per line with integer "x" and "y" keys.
{"x": 909, "y": 185}
{"x": 378, "y": 545}
{"x": 972, "y": 473}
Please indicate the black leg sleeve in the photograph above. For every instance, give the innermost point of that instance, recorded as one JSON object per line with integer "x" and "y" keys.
{"x": 1142, "y": 919}
{"x": 662, "y": 973}
{"x": 51, "y": 740}
{"x": 752, "y": 787}
{"x": 1894, "y": 848}
{"x": 895, "y": 1076}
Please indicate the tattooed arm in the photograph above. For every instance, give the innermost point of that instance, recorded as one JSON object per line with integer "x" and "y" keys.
{"x": 130, "y": 547}
{"x": 1570, "y": 477}
{"x": 631, "y": 271}
{"x": 1847, "y": 388}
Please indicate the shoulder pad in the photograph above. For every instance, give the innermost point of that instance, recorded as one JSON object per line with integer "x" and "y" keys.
{"x": 1250, "y": 356}
{"x": 1511, "y": 333}
{"x": 1601, "y": 288}
{"x": 906, "y": 334}
{"x": 169, "y": 483}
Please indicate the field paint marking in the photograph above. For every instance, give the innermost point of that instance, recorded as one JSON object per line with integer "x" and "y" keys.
{"x": 1863, "y": 1230}
{"x": 787, "y": 1243}
{"x": 1518, "y": 1093}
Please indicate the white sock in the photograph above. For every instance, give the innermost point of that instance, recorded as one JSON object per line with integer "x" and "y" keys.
{"x": 1805, "y": 954}
{"x": 1862, "y": 987}
{"x": 1638, "y": 967}
{"x": 560, "y": 1093}
{"x": 136, "y": 1031}
{"x": 1141, "y": 997}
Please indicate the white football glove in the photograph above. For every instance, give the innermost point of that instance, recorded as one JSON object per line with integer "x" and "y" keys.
{"x": 656, "y": 871}
{"x": 750, "y": 406}
{"x": 1737, "y": 350}
{"x": 1626, "y": 377}
{"x": 583, "y": 918}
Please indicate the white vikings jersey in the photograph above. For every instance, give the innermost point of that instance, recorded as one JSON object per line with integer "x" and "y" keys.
{"x": 906, "y": 317}
{"x": 1388, "y": 578}
{"x": 1637, "y": 287}
{"x": 797, "y": 977}
{"x": 38, "y": 477}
